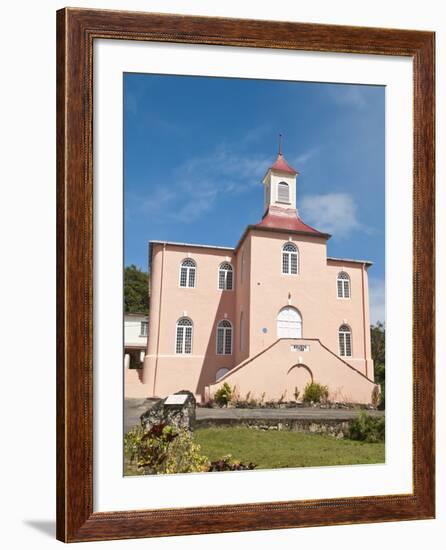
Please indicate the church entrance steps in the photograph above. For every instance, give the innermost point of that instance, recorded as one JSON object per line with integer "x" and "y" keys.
{"x": 281, "y": 371}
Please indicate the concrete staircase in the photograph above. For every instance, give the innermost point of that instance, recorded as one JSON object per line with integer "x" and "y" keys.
{"x": 282, "y": 370}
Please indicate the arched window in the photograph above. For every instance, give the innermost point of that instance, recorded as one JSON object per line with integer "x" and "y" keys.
{"x": 283, "y": 192}
{"x": 220, "y": 373}
{"x": 345, "y": 341}
{"x": 290, "y": 257}
{"x": 289, "y": 323}
{"x": 183, "y": 342}
{"x": 343, "y": 285}
{"x": 224, "y": 338}
{"x": 187, "y": 273}
{"x": 225, "y": 276}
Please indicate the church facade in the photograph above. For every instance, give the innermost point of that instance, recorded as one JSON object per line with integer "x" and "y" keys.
{"x": 267, "y": 316}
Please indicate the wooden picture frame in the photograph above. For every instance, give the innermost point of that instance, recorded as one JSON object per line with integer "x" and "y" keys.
{"x": 76, "y": 31}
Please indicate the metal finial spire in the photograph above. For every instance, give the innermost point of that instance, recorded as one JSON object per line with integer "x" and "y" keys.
{"x": 280, "y": 144}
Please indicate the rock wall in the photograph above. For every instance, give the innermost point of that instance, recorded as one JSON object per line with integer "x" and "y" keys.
{"x": 177, "y": 410}
{"x": 336, "y": 428}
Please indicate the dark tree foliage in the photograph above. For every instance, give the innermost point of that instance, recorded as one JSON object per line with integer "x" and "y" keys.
{"x": 378, "y": 337}
{"x": 378, "y": 334}
{"x": 136, "y": 290}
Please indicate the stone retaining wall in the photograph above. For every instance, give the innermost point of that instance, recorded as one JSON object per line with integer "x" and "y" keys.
{"x": 335, "y": 427}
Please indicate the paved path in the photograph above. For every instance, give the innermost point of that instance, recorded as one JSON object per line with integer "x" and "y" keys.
{"x": 133, "y": 409}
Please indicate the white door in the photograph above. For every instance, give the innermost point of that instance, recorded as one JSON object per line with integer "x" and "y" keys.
{"x": 289, "y": 323}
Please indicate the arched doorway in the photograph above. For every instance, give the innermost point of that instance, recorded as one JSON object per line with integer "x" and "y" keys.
{"x": 298, "y": 377}
{"x": 289, "y": 323}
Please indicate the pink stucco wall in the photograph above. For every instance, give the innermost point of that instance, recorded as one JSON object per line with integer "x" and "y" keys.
{"x": 313, "y": 292}
{"x": 133, "y": 384}
{"x": 243, "y": 301}
{"x": 206, "y": 305}
{"x": 260, "y": 294}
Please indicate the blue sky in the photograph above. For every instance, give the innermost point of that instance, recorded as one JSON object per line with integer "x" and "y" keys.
{"x": 196, "y": 148}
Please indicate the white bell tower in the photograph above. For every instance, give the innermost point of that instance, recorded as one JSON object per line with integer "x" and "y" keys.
{"x": 280, "y": 184}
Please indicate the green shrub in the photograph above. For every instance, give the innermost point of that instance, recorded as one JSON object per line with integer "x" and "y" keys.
{"x": 382, "y": 397}
{"x": 163, "y": 449}
{"x": 314, "y": 392}
{"x": 380, "y": 378}
{"x": 223, "y": 395}
{"x": 370, "y": 429}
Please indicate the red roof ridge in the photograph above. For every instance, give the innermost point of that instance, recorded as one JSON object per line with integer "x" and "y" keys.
{"x": 287, "y": 219}
{"x": 282, "y": 165}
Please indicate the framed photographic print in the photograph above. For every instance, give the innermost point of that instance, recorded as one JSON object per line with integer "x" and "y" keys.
{"x": 245, "y": 275}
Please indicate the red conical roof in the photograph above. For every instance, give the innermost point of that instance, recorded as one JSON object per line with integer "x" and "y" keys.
{"x": 282, "y": 165}
{"x": 278, "y": 218}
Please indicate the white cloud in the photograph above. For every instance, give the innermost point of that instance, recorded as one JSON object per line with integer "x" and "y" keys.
{"x": 158, "y": 199}
{"x": 196, "y": 185}
{"x": 349, "y": 95}
{"x": 227, "y": 164}
{"x": 334, "y": 213}
{"x": 303, "y": 158}
{"x": 377, "y": 296}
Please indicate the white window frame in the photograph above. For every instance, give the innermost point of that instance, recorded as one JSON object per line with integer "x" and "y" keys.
{"x": 299, "y": 322}
{"x": 288, "y": 201}
{"x": 188, "y": 270}
{"x": 183, "y": 346}
{"x": 289, "y": 254}
{"x": 344, "y": 333}
{"x": 343, "y": 280}
{"x": 232, "y": 270}
{"x": 224, "y": 329}
{"x": 144, "y": 333}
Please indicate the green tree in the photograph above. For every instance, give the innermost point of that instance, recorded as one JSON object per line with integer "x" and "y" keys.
{"x": 378, "y": 335}
{"x": 136, "y": 290}
{"x": 378, "y": 340}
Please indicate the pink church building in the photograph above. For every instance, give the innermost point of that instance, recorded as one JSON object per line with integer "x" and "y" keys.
{"x": 267, "y": 316}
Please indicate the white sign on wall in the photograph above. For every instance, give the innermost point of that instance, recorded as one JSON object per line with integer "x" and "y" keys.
{"x": 300, "y": 347}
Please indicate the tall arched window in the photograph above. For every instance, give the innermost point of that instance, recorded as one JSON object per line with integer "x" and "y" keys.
{"x": 345, "y": 341}
{"x": 283, "y": 192}
{"x": 225, "y": 276}
{"x": 290, "y": 259}
{"x": 224, "y": 338}
{"x": 183, "y": 342}
{"x": 187, "y": 273}
{"x": 343, "y": 285}
{"x": 289, "y": 323}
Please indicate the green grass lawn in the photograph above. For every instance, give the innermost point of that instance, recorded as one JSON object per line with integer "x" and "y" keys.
{"x": 282, "y": 449}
